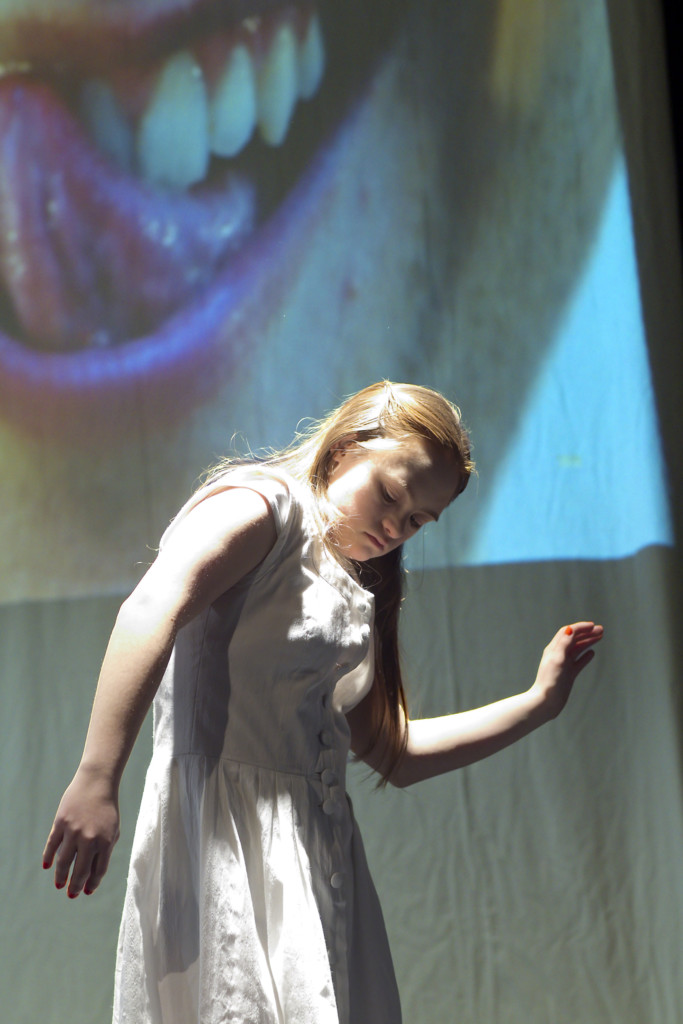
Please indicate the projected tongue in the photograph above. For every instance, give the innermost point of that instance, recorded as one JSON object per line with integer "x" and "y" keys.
{"x": 88, "y": 256}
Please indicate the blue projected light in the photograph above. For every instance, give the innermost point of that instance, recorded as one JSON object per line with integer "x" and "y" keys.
{"x": 583, "y": 477}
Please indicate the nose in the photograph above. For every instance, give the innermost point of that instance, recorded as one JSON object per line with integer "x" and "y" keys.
{"x": 392, "y": 528}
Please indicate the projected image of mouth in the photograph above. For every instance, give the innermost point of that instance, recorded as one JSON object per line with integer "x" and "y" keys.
{"x": 154, "y": 173}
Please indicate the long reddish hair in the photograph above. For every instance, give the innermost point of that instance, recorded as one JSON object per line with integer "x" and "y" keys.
{"x": 383, "y": 410}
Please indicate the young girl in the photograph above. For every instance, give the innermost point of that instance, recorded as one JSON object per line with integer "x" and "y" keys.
{"x": 268, "y": 626}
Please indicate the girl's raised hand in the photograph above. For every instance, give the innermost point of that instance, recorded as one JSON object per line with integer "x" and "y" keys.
{"x": 84, "y": 833}
{"x": 567, "y": 654}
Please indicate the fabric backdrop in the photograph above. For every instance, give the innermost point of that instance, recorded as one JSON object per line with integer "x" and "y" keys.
{"x": 493, "y": 213}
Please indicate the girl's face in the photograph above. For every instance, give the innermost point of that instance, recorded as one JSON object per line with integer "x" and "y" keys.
{"x": 386, "y": 492}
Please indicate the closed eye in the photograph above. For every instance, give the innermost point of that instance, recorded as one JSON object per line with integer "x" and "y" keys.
{"x": 388, "y": 497}
{"x": 420, "y": 519}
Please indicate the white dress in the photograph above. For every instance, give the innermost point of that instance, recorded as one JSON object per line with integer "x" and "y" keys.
{"x": 249, "y": 898}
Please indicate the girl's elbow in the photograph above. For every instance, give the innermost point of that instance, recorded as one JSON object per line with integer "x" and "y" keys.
{"x": 404, "y": 773}
{"x": 399, "y": 781}
{"x": 138, "y": 605}
{"x": 148, "y": 611}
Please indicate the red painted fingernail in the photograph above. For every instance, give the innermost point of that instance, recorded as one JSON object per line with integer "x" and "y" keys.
{"x": 59, "y": 885}
{"x": 72, "y": 895}
{"x": 569, "y": 630}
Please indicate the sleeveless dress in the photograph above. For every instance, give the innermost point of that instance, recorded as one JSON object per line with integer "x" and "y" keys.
{"x": 249, "y": 899}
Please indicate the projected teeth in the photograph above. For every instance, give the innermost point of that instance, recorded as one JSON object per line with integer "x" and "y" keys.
{"x": 311, "y": 59}
{"x": 278, "y": 86}
{"x": 173, "y": 136}
{"x": 232, "y": 112}
{"x": 107, "y": 123}
{"x": 167, "y": 128}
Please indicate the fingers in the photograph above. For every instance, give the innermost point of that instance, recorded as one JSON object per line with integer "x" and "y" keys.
{"x": 582, "y": 630}
{"x": 82, "y": 870}
{"x": 68, "y": 855}
{"x": 573, "y": 645}
{"x": 64, "y": 849}
{"x": 51, "y": 846}
{"x": 86, "y": 861}
{"x": 567, "y": 654}
{"x": 84, "y": 833}
{"x": 579, "y": 639}
{"x": 64, "y": 856}
{"x": 579, "y": 636}
{"x": 60, "y": 846}
{"x": 100, "y": 863}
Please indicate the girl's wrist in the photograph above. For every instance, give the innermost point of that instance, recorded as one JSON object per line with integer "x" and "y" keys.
{"x": 98, "y": 772}
{"x": 539, "y": 709}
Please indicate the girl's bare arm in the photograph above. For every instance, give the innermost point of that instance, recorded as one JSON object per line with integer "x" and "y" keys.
{"x": 215, "y": 546}
{"x": 438, "y": 745}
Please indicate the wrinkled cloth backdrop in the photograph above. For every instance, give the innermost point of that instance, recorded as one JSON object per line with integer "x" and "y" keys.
{"x": 495, "y": 215}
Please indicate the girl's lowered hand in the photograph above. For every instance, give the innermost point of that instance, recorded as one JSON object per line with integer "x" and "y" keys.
{"x": 84, "y": 833}
{"x": 567, "y": 654}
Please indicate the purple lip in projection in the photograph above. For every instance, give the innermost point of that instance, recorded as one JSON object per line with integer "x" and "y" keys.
{"x": 133, "y": 265}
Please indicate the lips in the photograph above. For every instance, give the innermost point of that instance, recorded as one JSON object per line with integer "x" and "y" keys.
{"x": 376, "y": 543}
{"x": 151, "y": 218}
